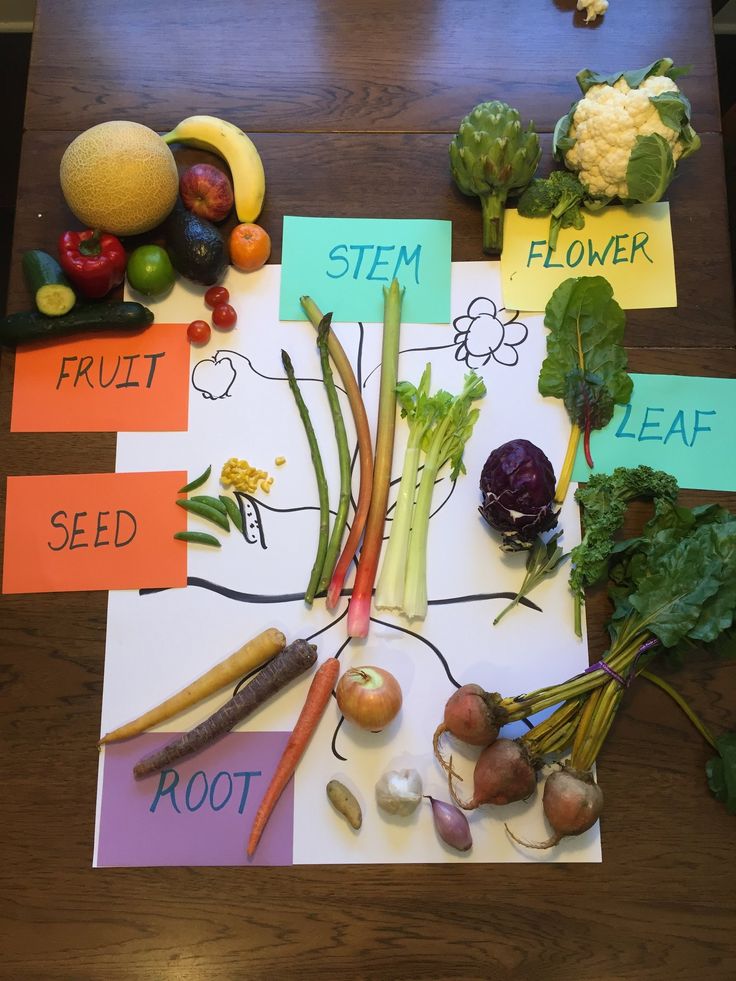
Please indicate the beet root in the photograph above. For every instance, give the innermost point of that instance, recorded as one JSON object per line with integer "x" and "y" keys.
{"x": 503, "y": 773}
{"x": 572, "y": 803}
{"x": 472, "y": 716}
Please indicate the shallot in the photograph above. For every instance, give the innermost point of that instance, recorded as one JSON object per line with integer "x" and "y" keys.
{"x": 451, "y": 825}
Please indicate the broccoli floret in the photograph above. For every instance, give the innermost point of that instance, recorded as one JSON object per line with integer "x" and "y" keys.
{"x": 538, "y": 199}
{"x": 560, "y": 196}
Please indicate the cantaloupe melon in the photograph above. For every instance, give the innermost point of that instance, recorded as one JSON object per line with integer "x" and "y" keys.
{"x": 119, "y": 177}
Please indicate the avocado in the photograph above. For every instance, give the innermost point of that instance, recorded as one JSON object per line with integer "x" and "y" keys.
{"x": 196, "y": 248}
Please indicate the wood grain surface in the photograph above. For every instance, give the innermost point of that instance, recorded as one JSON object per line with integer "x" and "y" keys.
{"x": 352, "y": 106}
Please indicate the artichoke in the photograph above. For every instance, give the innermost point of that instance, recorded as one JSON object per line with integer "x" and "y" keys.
{"x": 491, "y": 157}
{"x": 518, "y": 488}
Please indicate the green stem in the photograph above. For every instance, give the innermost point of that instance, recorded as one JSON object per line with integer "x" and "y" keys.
{"x": 566, "y": 473}
{"x": 390, "y": 585}
{"x": 676, "y": 697}
{"x": 493, "y": 214}
{"x": 360, "y": 602}
{"x": 319, "y": 472}
{"x": 514, "y": 602}
{"x": 578, "y": 614}
{"x": 554, "y": 232}
{"x": 415, "y": 589}
{"x": 542, "y": 559}
{"x": 343, "y": 453}
{"x": 619, "y": 658}
{"x": 585, "y": 752}
{"x": 546, "y": 734}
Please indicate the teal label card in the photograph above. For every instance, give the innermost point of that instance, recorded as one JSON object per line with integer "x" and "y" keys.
{"x": 682, "y": 425}
{"x": 344, "y": 263}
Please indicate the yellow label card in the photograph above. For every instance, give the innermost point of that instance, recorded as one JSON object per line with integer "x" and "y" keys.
{"x": 631, "y": 247}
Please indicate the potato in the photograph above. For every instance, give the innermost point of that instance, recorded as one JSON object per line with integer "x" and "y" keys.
{"x": 345, "y": 802}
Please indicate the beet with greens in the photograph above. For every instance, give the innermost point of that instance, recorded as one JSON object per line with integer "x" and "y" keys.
{"x": 518, "y": 487}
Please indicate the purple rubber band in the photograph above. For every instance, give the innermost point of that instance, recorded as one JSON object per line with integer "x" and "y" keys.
{"x": 624, "y": 682}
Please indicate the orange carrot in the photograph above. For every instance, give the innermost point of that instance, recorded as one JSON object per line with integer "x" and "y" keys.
{"x": 314, "y": 705}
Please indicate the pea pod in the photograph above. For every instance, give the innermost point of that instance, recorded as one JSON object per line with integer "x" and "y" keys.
{"x": 206, "y": 512}
{"x": 211, "y": 502}
{"x": 233, "y": 511}
{"x": 197, "y": 482}
{"x": 197, "y": 538}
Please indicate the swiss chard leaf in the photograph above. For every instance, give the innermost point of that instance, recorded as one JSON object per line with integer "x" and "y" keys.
{"x": 587, "y": 400}
{"x": 721, "y": 771}
{"x": 586, "y": 334}
{"x": 650, "y": 169}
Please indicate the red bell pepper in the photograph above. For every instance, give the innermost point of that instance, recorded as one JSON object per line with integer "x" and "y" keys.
{"x": 93, "y": 261}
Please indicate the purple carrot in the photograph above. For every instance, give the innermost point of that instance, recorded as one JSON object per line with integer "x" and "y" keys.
{"x": 287, "y": 665}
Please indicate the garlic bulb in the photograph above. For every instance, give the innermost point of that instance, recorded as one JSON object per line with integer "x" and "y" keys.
{"x": 399, "y": 791}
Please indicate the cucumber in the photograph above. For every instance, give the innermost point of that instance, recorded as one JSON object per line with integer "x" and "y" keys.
{"x": 34, "y": 326}
{"x": 48, "y": 284}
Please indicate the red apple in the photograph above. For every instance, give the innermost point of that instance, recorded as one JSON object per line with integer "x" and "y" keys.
{"x": 206, "y": 191}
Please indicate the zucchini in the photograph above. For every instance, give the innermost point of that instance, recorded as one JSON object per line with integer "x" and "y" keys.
{"x": 31, "y": 325}
{"x": 49, "y": 286}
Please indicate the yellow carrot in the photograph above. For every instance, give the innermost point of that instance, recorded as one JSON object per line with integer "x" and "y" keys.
{"x": 245, "y": 659}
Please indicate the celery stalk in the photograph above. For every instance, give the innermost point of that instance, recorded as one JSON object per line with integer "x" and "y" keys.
{"x": 446, "y": 442}
{"x": 417, "y": 407}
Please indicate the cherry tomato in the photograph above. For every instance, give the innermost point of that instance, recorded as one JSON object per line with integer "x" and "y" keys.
{"x": 198, "y": 332}
{"x": 224, "y": 316}
{"x": 216, "y": 295}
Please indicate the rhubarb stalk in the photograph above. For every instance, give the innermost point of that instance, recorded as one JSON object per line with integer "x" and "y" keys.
{"x": 359, "y": 610}
{"x": 365, "y": 453}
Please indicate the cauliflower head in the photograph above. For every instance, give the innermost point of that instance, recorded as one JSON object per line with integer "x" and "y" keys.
{"x": 597, "y": 137}
{"x": 592, "y": 8}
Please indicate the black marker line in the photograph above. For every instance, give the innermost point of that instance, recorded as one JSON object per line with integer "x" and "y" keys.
{"x": 332, "y": 624}
{"x": 344, "y": 759}
{"x": 342, "y": 647}
{"x": 476, "y": 597}
{"x": 270, "y": 507}
{"x": 352, "y": 468}
{"x": 432, "y": 647}
{"x": 361, "y": 334}
{"x": 293, "y": 597}
{"x": 408, "y": 350}
{"x": 277, "y": 378}
{"x": 229, "y": 593}
{"x": 250, "y": 674}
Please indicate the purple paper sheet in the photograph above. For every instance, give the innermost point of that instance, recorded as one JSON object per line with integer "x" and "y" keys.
{"x": 199, "y": 811}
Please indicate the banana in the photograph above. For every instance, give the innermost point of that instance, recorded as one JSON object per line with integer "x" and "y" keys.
{"x": 237, "y": 149}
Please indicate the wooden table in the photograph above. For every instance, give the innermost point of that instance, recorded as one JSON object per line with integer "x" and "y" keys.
{"x": 352, "y": 106}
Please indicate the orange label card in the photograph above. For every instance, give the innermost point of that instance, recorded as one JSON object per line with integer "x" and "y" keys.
{"x": 108, "y": 382}
{"x": 94, "y": 531}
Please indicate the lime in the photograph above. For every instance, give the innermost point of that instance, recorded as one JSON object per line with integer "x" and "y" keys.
{"x": 150, "y": 271}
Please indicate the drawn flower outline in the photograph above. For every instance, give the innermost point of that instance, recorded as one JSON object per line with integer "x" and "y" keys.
{"x": 481, "y": 334}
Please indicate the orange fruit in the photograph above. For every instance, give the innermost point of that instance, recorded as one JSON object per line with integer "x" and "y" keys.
{"x": 250, "y": 247}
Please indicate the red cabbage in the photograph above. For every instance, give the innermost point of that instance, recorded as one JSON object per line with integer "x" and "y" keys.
{"x": 518, "y": 487}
